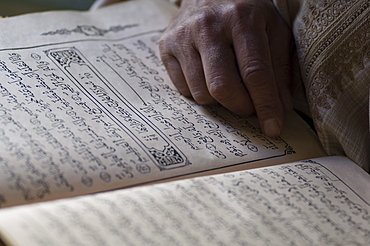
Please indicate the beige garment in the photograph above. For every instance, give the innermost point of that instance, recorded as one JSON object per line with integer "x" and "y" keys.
{"x": 333, "y": 44}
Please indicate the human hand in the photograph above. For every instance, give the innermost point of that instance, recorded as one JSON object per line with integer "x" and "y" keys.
{"x": 234, "y": 52}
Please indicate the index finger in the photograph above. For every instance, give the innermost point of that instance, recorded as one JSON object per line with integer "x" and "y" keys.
{"x": 256, "y": 70}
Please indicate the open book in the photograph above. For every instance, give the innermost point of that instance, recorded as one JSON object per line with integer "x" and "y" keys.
{"x": 86, "y": 107}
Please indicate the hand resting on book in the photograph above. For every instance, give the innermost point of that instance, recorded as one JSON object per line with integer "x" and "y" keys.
{"x": 234, "y": 52}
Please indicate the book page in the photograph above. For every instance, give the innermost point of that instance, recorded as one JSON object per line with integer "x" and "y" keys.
{"x": 303, "y": 203}
{"x": 86, "y": 105}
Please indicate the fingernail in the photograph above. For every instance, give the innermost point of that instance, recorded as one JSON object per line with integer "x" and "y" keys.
{"x": 271, "y": 127}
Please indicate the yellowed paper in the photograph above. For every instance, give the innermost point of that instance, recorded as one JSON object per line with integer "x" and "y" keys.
{"x": 86, "y": 106}
{"x": 303, "y": 203}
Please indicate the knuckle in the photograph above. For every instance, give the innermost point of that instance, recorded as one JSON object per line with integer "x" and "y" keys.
{"x": 256, "y": 74}
{"x": 252, "y": 14}
{"x": 206, "y": 22}
{"x": 163, "y": 46}
{"x": 175, "y": 42}
{"x": 221, "y": 91}
{"x": 163, "y": 42}
{"x": 245, "y": 10}
{"x": 165, "y": 52}
{"x": 205, "y": 17}
{"x": 237, "y": 8}
{"x": 172, "y": 34}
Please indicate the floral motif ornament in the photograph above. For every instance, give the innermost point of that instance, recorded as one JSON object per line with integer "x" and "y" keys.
{"x": 89, "y": 30}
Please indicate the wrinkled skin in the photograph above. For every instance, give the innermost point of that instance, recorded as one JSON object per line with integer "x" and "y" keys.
{"x": 232, "y": 52}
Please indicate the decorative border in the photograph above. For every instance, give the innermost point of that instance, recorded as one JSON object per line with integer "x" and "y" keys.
{"x": 89, "y": 30}
{"x": 166, "y": 156}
